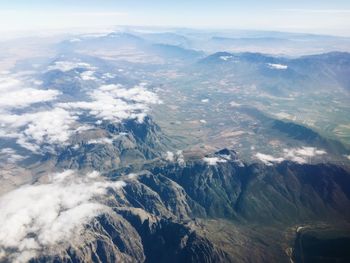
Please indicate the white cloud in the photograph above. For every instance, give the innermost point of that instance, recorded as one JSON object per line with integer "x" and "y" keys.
{"x": 41, "y": 130}
{"x": 7, "y": 82}
{"x": 25, "y": 97}
{"x": 175, "y": 157}
{"x": 9, "y": 155}
{"x": 309, "y": 151}
{"x": 137, "y": 93}
{"x": 170, "y": 156}
{"x": 47, "y": 215}
{"x": 299, "y": 155}
{"x": 14, "y": 94}
{"x": 65, "y": 66}
{"x": 235, "y": 104}
{"x": 284, "y": 115}
{"x": 101, "y": 141}
{"x": 75, "y": 40}
{"x": 88, "y": 75}
{"x": 180, "y": 158}
{"x": 83, "y": 128}
{"x": 277, "y": 66}
{"x": 213, "y": 160}
{"x": 268, "y": 159}
{"x": 37, "y": 82}
{"x": 108, "y": 75}
{"x": 54, "y": 126}
{"x": 225, "y": 58}
{"x": 115, "y": 103}
{"x": 32, "y": 129}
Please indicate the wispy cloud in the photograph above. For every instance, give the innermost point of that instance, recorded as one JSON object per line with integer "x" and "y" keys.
{"x": 57, "y": 19}
{"x": 98, "y": 14}
{"x": 315, "y": 11}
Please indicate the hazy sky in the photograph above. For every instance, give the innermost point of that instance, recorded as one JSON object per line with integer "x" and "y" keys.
{"x": 316, "y": 16}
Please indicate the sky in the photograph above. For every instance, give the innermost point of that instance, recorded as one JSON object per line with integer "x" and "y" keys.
{"x": 311, "y": 16}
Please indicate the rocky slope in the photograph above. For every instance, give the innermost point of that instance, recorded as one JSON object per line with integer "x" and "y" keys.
{"x": 175, "y": 212}
{"x": 110, "y": 146}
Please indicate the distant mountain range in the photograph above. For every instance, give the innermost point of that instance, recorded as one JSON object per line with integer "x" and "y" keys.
{"x": 324, "y": 70}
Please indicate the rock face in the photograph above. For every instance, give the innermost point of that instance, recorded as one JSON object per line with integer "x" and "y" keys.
{"x": 117, "y": 145}
{"x": 285, "y": 193}
{"x": 108, "y": 238}
{"x": 169, "y": 212}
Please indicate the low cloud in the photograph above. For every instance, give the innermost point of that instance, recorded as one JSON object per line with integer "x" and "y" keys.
{"x": 41, "y": 217}
{"x": 170, "y": 156}
{"x": 29, "y": 129}
{"x": 235, "y": 104}
{"x": 15, "y": 93}
{"x": 115, "y": 103}
{"x": 308, "y": 151}
{"x": 175, "y": 157}
{"x": 65, "y": 66}
{"x": 108, "y": 75}
{"x": 277, "y": 66}
{"x": 268, "y": 159}
{"x": 225, "y": 58}
{"x": 9, "y": 155}
{"x": 101, "y": 141}
{"x": 41, "y": 128}
{"x": 26, "y": 97}
{"x": 299, "y": 155}
{"x": 88, "y": 75}
{"x": 33, "y": 129}
{"x": 213, "y": 160}
{"x": 180, "y": 158}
